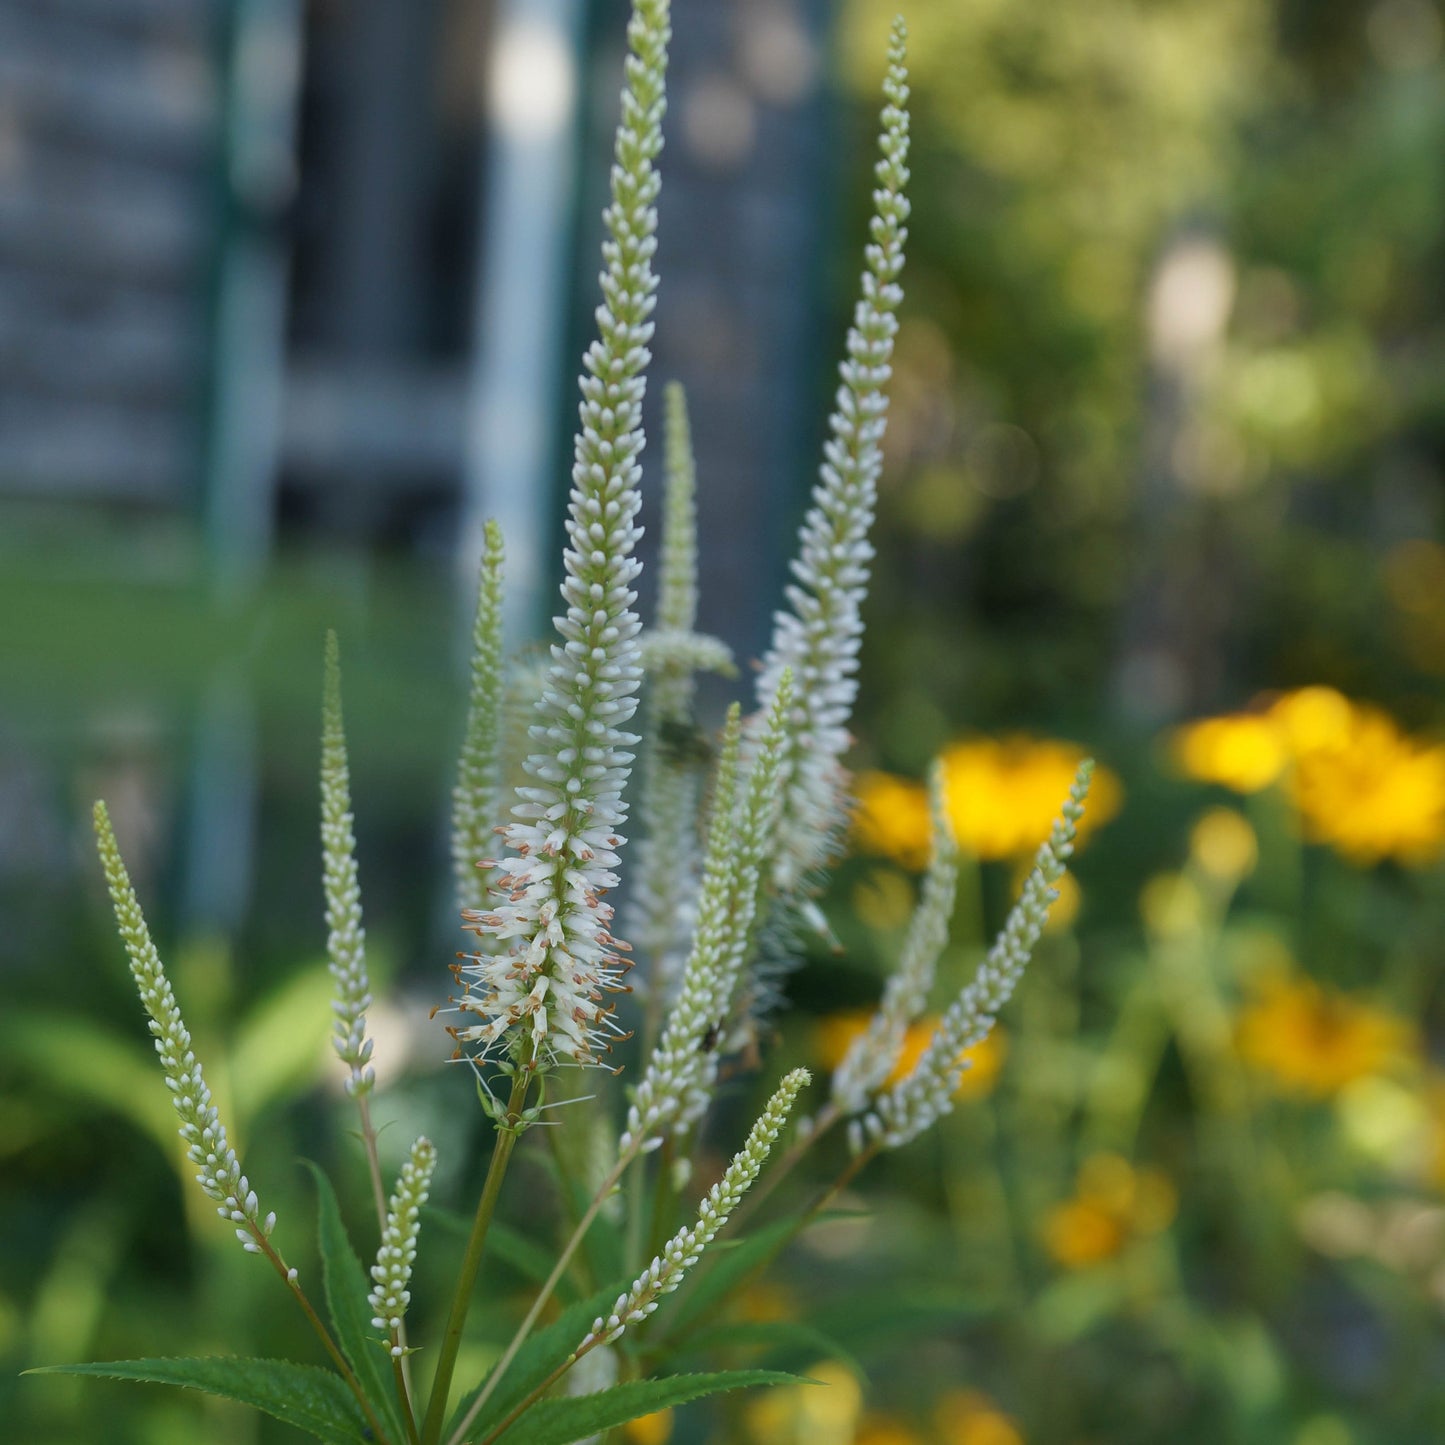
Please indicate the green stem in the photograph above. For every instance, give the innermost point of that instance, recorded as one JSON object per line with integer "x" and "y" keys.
{"x": 403, "y": 1389}
{"x": 531, "y": 1398}
{"x": 338, "y": 1359}
{"x": 538, "y": 1304}
{"x": 507, "y": 1134}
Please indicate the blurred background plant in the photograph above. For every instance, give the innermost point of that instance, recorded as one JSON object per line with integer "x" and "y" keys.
{"x": 289, "y": 295}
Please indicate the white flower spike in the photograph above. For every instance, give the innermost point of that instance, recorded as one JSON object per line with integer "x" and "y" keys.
{"x": 207, "y": 1146}
{"x": 391, "y": 1292}
{"x": 345, "y": 938}
{"x": 550, "y": 989}
{"x": 914, "y": 1103}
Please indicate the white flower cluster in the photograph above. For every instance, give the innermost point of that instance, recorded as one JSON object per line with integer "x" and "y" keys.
{"x": 345, "y": 938}
{"x": 205, "y": 1136}
{"x": 820, "y": 635}
{"x": 391, "y": 1292}
{"x": 475, "y": 797}
{"x": 684, "y": 1249}
{"x": 550, "y": 987}
{"x": 914, "y": 1103}
{"x": 873, "y": 1054}
{"x": 682, "y": 1070}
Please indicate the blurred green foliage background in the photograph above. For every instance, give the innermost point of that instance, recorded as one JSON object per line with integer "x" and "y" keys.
{"x": 1167, "y": 444}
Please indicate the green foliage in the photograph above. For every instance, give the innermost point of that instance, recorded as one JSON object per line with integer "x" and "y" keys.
{"x": 561, "y": 1422}
{"x": 346, "y": 1287}
{"x": 313, "y": 1400}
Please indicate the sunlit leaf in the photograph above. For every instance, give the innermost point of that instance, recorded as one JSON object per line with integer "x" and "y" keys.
{"x": 281, "y": 1044}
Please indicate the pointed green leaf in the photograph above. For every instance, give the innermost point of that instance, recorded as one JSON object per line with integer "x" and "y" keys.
{"x": 313, "y": 1400}
{"x": 350, "y": 1308}
{"x": 564, "y": 1421}
{"x": 542, "y": 1352}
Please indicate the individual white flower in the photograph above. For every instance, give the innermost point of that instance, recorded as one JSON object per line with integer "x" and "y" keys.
{"x": 391, "y": 1292}
{"x": 550, "y": 988}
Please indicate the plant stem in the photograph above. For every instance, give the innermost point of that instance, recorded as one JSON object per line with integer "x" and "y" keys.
{"x": 538, "y": 1304}
{"x": 507, "y": 1132}
{"x": 532, "y": 1398}
{"x": 403, "y": 1389}
{"x": 299, "y": 1295}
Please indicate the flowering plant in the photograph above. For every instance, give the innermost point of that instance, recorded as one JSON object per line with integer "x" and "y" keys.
{"x": 724, "y": 893}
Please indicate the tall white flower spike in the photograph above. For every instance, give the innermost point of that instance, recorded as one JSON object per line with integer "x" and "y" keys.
{"x": 391, "y": 1291}
{"x": 873, "y": 1054}
{"x": 681, "y": 1072}
{"x": 549, "y": 989}
{"x": 914, "y": 1103}
{"x": 345, "y": 938}
{"x": 207, "y": 1146}
{"x": 685, "y": 1248}
{"x": 477, "y": 794}
{"x": 820, "y": 633}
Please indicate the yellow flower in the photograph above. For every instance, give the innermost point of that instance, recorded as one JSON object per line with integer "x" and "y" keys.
{"x": 1113, "y": 1204}
{"x": 837, "y": 1031}
{"x": 654, "y": 1429}
{"x": 1374, "y": 794}
{"x": 1361, "y": 784}
{"x": 1243, "y": 752}
{"x": 892, "y": 819}
{"x": 1223, "y": 844}
{"x": 969, "y": 1417}
{"x": 1003, "y": 794}
{"x": 1312, "y": 1041}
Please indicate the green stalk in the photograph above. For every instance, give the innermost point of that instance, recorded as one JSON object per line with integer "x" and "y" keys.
{"x": 507, "y": 1134}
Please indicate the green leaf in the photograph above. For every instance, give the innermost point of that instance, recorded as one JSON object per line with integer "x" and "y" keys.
{"x": 777, "y": 1337}
{"x": 280, "y": 1045}
{"x": 121, "y": 1074}
{"x": 564, "y": 1421}
{"x": 350, "y": 1309}
{"x": 528, "y": 1258}
{"x": 540, "y": 1354}
{"x": 313, "y": 1400}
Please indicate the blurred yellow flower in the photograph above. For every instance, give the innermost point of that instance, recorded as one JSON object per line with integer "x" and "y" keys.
{"x": 1376, "y": 794}
{"x": 1243, "y": 752}
{"x": 1312, "y": 1041}
{"x": 969, "y": 1417}
{"x": 654, "y": 1429}
{"x": 1003, "y": 794}
{"x": 885, "y": 1430}
{"x": 1223, "y": 844}
{"x": 892, "y": 819}
{"x": 836, "y": 1032}
{"x": 1171, "y": 906}
{"x": 824, "y": 1412}
{"x": 884, "y": 899}
{"x": 1361, "y": 784}
{"x": 1113, "y": 1204}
